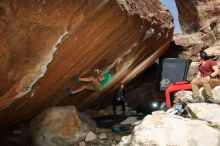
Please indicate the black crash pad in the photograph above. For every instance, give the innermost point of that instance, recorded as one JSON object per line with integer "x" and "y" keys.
{"x": 109, "y": 120}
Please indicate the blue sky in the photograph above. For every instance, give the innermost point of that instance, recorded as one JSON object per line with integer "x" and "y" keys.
{"x": 171, "y": 6}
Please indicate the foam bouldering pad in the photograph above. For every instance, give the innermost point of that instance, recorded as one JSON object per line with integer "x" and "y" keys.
{"x": 109, "y": 120}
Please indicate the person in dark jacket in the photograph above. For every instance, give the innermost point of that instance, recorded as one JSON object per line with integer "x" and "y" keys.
{"x": 119, "y": 98}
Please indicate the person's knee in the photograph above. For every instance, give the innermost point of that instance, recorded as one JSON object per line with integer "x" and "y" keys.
{"x": 85, "y": 87}
{"x": 92, "y": 78}
{"x": 194, "y": 81}
{"x": 203, "y": 80}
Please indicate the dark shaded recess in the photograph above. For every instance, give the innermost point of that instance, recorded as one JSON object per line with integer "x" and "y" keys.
{"x": 139, "y": 92}
{"x": 7, "y": 138}
{"x": 148, "y": 75}
{"x": 173, "y": 51}
{"x": 145, "y": 83}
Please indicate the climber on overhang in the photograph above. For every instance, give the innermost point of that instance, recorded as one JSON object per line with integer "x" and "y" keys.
{"x": 97, "y": 82}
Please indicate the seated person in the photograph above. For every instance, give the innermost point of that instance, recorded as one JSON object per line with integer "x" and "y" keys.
{"x": 208, "y": 77}
{"x": 119, "y": 98}
{"x": 95, "y": 83}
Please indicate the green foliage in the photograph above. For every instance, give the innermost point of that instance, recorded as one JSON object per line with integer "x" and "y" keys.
{"x": 194, "y": 58}
{"x": 182, "y": 55}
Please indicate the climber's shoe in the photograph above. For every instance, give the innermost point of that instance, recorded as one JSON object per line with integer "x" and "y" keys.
{"x": 77, "y": 79}
{"x": 70, "y": 92}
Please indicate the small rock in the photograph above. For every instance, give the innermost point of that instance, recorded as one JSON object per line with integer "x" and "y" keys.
{"x": 118, "y": 138}
{"x": 90, "y": 136}
{"x": 82, "y": 143}
{"x": 102, "y": 136}
{"x": 125, "y": 141}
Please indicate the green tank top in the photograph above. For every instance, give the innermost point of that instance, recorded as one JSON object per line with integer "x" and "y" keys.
{"x": 107, "y": 79}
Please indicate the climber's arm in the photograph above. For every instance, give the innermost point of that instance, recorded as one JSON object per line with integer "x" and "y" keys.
{"x": 99, "y": 75}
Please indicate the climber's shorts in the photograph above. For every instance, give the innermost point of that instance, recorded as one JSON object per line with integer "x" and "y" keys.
{"x": 95, "y": 85}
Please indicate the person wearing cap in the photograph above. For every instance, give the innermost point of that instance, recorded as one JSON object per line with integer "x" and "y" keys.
{"x": 207, "y": 77}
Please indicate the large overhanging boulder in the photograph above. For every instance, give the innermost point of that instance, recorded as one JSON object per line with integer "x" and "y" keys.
{"x": 45, "y": 43}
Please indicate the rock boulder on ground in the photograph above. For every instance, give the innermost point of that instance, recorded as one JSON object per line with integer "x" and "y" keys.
{"x": 165, "y": 129}
{"x": 89, "y": 121}
{"x": 205, "y": 111}
{"x": 58, "y": 126}
{"x": 185, "y": 95}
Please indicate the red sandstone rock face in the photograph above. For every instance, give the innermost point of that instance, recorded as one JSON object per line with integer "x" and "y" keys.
{"x": 195, "y": 14}
{"x": 44, "y": 43}
{"x": 191, "y": 44}
{"x": 200, "y": 24}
